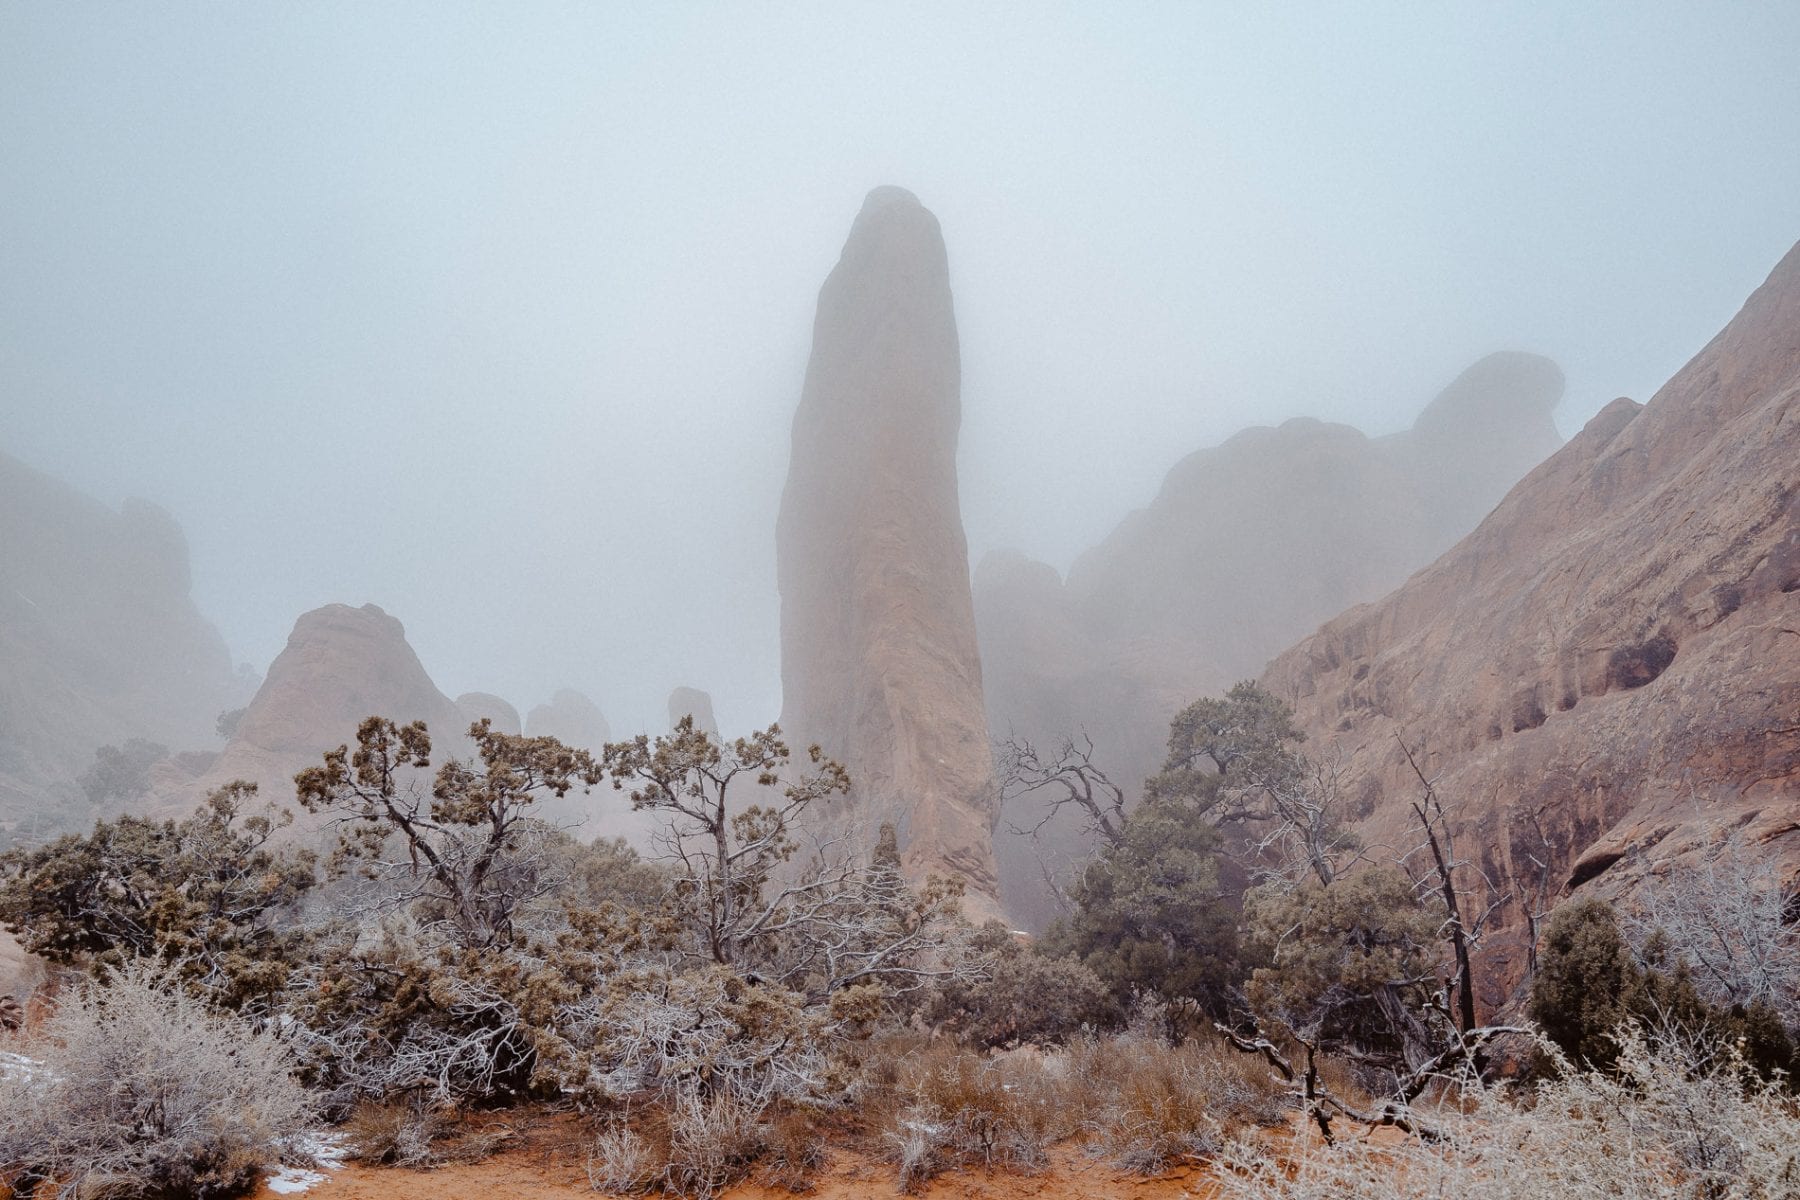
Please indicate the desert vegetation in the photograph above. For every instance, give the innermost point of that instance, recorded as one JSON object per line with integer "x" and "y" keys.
{"x": 1238, "y": 986}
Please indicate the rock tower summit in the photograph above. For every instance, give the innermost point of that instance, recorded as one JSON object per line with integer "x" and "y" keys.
{"x": 878, "y": 657}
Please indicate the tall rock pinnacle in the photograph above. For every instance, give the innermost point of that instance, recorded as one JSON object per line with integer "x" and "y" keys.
{"x": 878, "y": 658}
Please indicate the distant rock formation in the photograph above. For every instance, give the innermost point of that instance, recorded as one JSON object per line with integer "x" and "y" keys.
{"x": 340, "y": 665}
{"x": 1605, "y": 676}
{"x": 100, "y": 643}
{"x": 1247, "y": 546}
{"x": 570, "y": 718}
{"x": 575, "y": 720}
{"x": 692, "y": 702}
{"x": 476, "y": 705}
{"x": 878, "y": 657}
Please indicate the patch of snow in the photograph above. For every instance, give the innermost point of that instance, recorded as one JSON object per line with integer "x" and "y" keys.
{"x": 329, "y": 1150}
{"x": 326, "y": 1151}
{"x": 288, "y": 1181}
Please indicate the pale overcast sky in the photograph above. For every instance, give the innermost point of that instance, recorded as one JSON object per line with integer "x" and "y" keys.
{"x": 495, "y": 315}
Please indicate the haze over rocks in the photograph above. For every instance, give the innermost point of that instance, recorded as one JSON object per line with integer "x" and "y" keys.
{"x": 1604, "y": 678}
{"x": 571, "y": 718}
{"x": 692, "y": 702}
{"x": 879, "y": 664}
{"x": 1247, "y": 546}
{"x": 100, "y": 643}
{"x": 1602, "y": 674}
{"x": 475, "y": 706}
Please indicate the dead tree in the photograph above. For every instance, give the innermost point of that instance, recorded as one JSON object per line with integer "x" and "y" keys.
{"x": 1322, "y": 1107}
{"x": 1069, "y": 779}
{"x": 1730, "y": 917}
{"x": 1461, "y": 932}
{"x": 1538, "y": 906}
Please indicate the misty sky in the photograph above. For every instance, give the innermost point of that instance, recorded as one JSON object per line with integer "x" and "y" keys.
{"x": 496, "y": 315}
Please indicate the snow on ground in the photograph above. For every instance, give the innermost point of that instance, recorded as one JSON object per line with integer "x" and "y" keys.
{"x": 326, "y": 1152}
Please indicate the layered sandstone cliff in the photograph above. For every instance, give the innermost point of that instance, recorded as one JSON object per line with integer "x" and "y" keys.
{"x": 878, "y": 656}
{"x": 1247, "y": 546}
{"x": 1604, "y": 678}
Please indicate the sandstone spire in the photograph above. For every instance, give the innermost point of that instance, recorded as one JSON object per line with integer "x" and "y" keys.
{"x": 878, "y": 657}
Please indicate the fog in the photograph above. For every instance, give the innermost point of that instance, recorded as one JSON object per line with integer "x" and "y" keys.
{"x": 497, "y": 316}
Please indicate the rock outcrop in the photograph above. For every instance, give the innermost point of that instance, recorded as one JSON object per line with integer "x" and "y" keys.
{"x": 692, "y": 702}
{"x": 570, "y": 718}
{"x": 1247, "y": 546}
{"x": 474, "y": 706}
{"x": 1604, "y": 678}
{"x": 100, "y": 643}
{"x": 340, "y": 665}
{"x": 879, "y": 664}
{"x": 573, "y": 719}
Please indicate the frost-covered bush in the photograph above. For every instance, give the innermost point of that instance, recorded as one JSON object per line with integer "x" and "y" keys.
{"x": 695, "y": 1146}
{"x": 1675, "y": 1119}
{"x": 138, "y": 1089}
{"x": 672, "y": 1036}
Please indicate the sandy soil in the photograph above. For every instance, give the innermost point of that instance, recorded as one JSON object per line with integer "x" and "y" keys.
{"x": 546, "y": 1161}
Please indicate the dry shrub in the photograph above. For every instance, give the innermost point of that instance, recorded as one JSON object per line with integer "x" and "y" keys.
{"x": 395, "y": 1134}
{"x": 416, "y": 1132}
{"x": 793, "y": 1151}
{"x": 944, "y": 1108}
{"x": 1152, "y": 1104}
{"x": 1675, "y": 1120}
{"x": 137, "y": 1089}
{"x": 625, "y": 1161}
{"x": 695, "y": 1147}
{"x": 1141, "y": 1101}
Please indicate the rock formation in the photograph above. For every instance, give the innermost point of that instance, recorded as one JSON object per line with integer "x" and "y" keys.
{"x": 692, "y": 702}
{"x": 100, "y": 643}
{"x": 1247, "y": 546}
{"x": 572, "y": 719}
{"x": 340, "y": 665}
{"x": 878, "y": 657}
{"x": 575, "y": 720}
{"x": 476, "y": 705}
{"x": 1604, "y": 677}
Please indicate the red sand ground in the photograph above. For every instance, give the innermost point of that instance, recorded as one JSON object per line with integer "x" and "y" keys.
{"x": 547, "y": 1161}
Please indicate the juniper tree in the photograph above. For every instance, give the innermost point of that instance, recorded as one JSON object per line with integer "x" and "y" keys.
{"x": 468, "y": 851}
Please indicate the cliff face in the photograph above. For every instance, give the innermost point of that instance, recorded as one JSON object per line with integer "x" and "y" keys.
{"x": 100, "y": 641}
{"x": 878, "y": 657}
{"x": 1605, "y": 676}
{"x": 1248, "y": 545}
